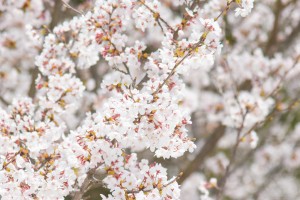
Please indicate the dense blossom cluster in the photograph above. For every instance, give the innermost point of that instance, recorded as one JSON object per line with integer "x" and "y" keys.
{"x": 125, "y": 90}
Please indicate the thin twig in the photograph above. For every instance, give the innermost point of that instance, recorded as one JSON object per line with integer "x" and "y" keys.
{"x": 177, "y": 64}
{"x": 186, "y": 17}
{"x": 276, "y": 89}
{"x": 232, "y": 159}
{"x": 72, "y": 8}
{"x": 157, "y": 15}
{"x": 149, "y": 190}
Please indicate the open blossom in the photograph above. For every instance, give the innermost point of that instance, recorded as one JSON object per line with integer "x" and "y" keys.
{"x": 253, "y": 139}
{"x": 247, "y": 109}
{"x": 245, "y": 7}
{"x": 205, "y": 187}
{"x": 144, "y": 17}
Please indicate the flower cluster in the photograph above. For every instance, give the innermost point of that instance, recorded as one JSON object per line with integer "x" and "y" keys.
{"x": 149, "y": 99}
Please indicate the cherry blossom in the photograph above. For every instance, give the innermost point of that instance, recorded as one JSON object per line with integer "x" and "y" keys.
{"x": 153, "y": 99}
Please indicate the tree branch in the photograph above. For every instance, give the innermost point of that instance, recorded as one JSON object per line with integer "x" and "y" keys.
{"x": 208, "y": 147}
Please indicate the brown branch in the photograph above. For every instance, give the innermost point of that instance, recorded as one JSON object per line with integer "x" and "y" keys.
{"x": 56, "y": 15}
{"x": 273, "y": 34}
{"x": 208, "y": 147}
{"x": 224, "y": 10}
{"x": 289, "y": 39}
{"x": 6, "y": 103}
{"x": 32, "y": 90}
{"x": 85, "y": 185}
